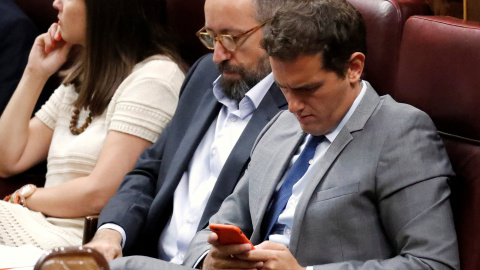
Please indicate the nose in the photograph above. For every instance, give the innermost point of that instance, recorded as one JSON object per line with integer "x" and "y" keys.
{"x": 57, "y": 5}
{"x": 220, "y": 53}
{"x": 295, "y": 104}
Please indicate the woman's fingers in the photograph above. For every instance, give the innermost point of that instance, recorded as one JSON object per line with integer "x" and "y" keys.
{"x": 51, "y": 40}
{"x": 58, "y": 36}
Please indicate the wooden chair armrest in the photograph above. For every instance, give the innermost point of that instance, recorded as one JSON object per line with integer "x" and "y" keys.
{"x": 73, "y": 258}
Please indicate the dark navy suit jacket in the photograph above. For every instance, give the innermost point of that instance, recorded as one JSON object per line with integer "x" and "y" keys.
{"x": 144, "y": 202}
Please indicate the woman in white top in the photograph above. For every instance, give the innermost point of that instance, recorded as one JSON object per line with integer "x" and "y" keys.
{"x": 115, "y": 100}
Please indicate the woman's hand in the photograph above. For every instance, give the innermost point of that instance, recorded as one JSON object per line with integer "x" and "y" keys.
{"x": 49, "y": 52}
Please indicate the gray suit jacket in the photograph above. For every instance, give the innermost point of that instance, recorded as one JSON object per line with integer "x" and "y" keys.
{"x": 380, "y": 198}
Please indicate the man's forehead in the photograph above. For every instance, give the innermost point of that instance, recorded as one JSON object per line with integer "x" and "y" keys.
{"x": 315, "y": 60}
{"x": 297, "y": 73}
{"x": 224, "y": 16}
{"x": 226, "y": 5}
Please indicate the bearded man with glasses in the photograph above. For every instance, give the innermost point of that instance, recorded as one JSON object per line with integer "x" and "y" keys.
{"x": 181, "y": 181}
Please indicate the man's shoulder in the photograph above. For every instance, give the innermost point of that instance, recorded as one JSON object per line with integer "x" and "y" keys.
{"x": 394, "y": 118}
{"x": 204, "y": 69}
{"x": 199, "y": 79}
{"x": 283, "y": 125}
{"x": 391, "y": 107}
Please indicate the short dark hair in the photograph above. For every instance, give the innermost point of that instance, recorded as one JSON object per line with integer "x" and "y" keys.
{"x": 265, "y": 9}
{"x": 332, "y": 28}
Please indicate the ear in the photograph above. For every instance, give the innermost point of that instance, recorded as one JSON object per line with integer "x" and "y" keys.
{"x": 354, "y": 73}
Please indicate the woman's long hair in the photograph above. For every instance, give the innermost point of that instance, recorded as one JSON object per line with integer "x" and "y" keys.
{"x": 120, "y": 33}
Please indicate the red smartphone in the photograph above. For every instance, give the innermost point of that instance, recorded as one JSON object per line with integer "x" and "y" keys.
{"x": 229, "y": 234}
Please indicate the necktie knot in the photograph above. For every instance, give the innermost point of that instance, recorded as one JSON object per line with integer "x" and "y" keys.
{"x": 314, "y": 141}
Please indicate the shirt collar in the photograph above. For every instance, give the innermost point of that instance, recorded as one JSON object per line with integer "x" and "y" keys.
{"x": 250, "y": 102}
{"x": 333, "y": 134}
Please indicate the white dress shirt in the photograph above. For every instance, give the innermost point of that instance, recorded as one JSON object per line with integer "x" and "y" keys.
{"x": 196, "y": 184}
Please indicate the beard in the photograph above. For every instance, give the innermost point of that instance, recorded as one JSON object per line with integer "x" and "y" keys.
{"x": 236, "y": 89}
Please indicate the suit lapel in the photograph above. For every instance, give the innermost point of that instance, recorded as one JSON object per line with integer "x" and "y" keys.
{"x": 356, "y": 122}
{"x": 275, "y": 172}
{"x": 206, "y": 113}
{"x": 342, "y": 140}
{"x": 238, "y": 158}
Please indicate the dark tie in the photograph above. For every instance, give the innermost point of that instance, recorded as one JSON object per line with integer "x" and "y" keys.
{"x": 280, "y": 198}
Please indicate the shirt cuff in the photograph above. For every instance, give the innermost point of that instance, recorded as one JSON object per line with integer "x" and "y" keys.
{"x": 117, "y": 228}
{"x": 309, "y": 267}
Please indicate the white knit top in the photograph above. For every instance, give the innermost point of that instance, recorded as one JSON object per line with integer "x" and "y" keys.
{"x": 142, "y": 106}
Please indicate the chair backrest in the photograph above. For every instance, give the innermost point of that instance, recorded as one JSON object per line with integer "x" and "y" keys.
{"x": 41, "y": 12}
{"x": 72, "y": 258}
{"x": 438, "y": 69}
{"x": 384, "y": 20}
{"x": 185, "y": 18}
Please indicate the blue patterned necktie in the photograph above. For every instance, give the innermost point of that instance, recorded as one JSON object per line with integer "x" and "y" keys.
{"x": 280, "y": 198}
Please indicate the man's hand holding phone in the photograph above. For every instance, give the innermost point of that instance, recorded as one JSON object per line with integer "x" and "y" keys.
{"x": 231, "y": 249}
{"x": 227, "y": 242}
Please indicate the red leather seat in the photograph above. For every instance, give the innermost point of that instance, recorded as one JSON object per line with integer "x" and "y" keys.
{"x": 438, "y": 73}
{"x": 185, "y": 18}
{"x": 41, "y": 12}
{"x": 384, "y": 20}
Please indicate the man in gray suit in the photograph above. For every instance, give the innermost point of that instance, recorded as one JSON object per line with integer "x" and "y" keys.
{"x": 373, "y": 194}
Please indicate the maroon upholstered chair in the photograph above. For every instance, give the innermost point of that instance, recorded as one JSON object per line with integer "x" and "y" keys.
{"x": 185, "y": 18}
{"x": 438, "y": 73}
{"x": 384, "y": 20}
{"x": 41, "y": 12}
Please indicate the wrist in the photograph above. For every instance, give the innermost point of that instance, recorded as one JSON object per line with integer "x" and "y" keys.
{"x": 110, "y": 235}
{"x": 25, "y": 192}
{"x": 36, "y": 75}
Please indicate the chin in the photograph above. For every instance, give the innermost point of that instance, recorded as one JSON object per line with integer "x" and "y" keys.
{"x": 232, "y": 76}
{"x": 313, "y": 132}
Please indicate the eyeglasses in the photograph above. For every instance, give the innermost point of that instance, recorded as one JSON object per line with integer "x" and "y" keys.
{"x": 229, "y": 42}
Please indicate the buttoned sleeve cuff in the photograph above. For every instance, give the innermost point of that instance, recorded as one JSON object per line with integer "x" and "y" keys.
{"x": 117, "y": 228}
